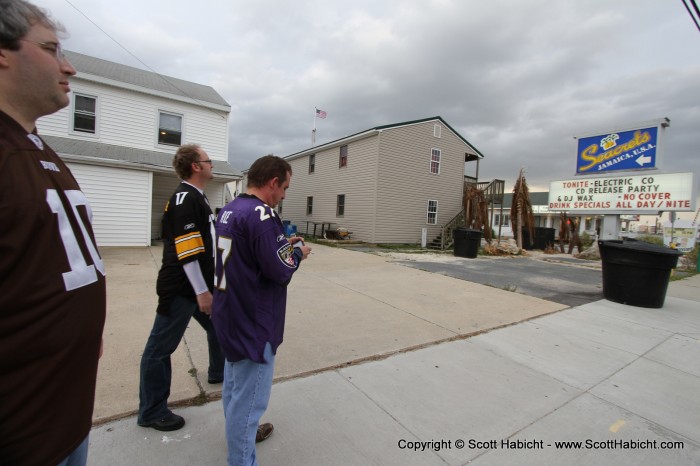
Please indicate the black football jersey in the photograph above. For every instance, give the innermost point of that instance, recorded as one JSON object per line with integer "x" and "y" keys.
{"x": 188, "y": 232}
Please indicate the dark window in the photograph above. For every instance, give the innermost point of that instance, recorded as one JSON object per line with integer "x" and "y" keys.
{"x": 84, "y": 115}
{"x": 340, "y": 209}
{"x": 170, "y": 129}
{"x": 435, "y": 156}
{"x": 343, "y": 156}
{"x": 312, "y": 163}
{"x": 309, "y": 205}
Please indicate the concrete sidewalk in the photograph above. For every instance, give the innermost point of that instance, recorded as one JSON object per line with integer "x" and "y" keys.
{"x": 598, "y": 372}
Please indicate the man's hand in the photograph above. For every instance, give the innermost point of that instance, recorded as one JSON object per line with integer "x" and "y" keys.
{"x": 305, "y": 250}
{"x": 204, "y": 301}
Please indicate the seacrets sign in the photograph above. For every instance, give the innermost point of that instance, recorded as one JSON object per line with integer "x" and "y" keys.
{"x": 624, "y": 194}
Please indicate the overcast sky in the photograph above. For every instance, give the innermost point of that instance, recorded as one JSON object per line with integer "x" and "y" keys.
{"x": 517, "y": 79}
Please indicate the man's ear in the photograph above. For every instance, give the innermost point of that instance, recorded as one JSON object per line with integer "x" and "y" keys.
{"x": 4, "y": 60}
{"x": 273, "y": 183}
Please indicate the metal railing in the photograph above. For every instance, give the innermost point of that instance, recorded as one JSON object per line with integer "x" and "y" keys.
{"x": 493, "y": 192}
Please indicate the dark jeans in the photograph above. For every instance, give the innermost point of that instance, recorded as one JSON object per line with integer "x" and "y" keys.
{"x": 156, "y": 373}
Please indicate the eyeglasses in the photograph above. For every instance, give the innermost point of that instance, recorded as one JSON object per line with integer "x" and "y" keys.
{"x": 209, "y": 161}
{"x": 54, "y": 48}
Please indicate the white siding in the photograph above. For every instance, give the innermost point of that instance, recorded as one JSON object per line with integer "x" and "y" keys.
{"x": 129, "y": 118}
{"x": 120, "y": 201}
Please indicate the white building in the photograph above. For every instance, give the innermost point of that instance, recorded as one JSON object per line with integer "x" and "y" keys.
{"x": 119, "y": 135}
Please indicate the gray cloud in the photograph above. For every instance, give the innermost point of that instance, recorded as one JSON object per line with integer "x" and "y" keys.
{"x": 517, "y": 79}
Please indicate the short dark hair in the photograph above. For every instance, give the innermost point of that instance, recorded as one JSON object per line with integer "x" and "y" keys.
{"x": 266, "y": 168}
{"x": 17, "y": 17}
{"x": 185, "y": 156}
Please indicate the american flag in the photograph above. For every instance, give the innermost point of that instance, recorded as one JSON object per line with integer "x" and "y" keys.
{"x": 320, "y": 114}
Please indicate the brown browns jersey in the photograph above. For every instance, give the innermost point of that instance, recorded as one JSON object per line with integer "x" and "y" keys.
{"x": 52, "y": 303}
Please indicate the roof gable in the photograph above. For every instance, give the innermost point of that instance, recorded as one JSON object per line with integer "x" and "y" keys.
{"x": 377, "y": 130}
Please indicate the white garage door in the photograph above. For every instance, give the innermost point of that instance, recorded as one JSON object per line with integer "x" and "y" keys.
{"x": 121, "y": 203}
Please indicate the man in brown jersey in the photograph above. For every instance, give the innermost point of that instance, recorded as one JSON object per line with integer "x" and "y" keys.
{"x": 52, "y": 279}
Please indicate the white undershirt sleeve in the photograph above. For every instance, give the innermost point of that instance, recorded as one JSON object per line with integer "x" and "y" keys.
{"x": 194, "y": 275}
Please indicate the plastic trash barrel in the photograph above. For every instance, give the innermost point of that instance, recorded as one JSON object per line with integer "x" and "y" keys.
{"x": 636, "y": 273}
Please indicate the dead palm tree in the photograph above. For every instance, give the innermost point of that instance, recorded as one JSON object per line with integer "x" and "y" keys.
{"x": 476, "y": 211}
{"x": 521, "y": 215}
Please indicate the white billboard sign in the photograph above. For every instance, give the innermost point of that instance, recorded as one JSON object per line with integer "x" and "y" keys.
{"x": 670, "y": 192}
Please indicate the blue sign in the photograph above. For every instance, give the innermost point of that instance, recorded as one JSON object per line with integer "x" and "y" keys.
{"x": 624, "y": 150}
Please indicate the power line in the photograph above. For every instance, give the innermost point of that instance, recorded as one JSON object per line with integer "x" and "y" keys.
{"x": 142, "y": 62}
{"x": 697, "y": 11}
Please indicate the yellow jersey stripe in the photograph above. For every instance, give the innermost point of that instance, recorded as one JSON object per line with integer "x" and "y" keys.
{"x": 188, "y": 244}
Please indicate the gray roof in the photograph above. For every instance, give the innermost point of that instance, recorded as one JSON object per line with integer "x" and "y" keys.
{"x": 539, "y": 198}
{"x": 97, "y": 153}
{"x": 144, "y": 79}
{"x": 377, "y": 129}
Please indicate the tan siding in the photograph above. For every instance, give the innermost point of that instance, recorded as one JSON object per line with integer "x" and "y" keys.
{"x": 387, "y": 184}
{"x": 406, "y": 183}
{"x": 356, "y": 181}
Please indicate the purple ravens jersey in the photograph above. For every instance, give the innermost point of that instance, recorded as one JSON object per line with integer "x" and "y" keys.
{"x": 254, "y": 264}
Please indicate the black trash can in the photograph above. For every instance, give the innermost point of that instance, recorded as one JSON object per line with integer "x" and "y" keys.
{"x": 544, "y": 237}
{"x": 527, "y": 243}
{"x": 467, "y": 242}
{"x": 636, "y": 273}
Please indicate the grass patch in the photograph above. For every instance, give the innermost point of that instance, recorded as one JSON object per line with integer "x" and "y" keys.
{"x": 399, "y": 246}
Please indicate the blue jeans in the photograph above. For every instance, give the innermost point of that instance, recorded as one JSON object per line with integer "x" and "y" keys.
{"x": 246, "y": 393}
{"x": 156, "y": 373}
{"x": 79, "y": 456}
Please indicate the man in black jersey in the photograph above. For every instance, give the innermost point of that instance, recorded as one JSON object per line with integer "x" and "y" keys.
{"x": 52, "y": 279}
{"x": 184, "y": 287}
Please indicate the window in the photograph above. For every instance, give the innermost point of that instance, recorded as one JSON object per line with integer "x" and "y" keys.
{"x": 435, "y": 155}
{"x": 437, "y": 131}
{"x": 432, "y": 212}
{"x": 504, "y": 222}
{"x": 343, "y": 156}
{"x": 312, "y": 163}
{"x": 84, "y": 114}
{"x": 309, "y": 205}
{"x": 340, "y": 209}
{"x": 170, "y": 129}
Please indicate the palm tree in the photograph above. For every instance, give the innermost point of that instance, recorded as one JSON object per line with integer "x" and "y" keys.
{"x": 476, "y": 211}
{"x": 521, "y": 210}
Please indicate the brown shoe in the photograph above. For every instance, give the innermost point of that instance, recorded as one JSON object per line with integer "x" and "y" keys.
{"x": 264, "y": 431}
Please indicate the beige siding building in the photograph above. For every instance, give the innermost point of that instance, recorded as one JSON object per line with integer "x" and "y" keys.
{"x": 385, "y": 184}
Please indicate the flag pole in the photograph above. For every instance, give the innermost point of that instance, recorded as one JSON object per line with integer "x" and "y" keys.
{"x": 313, "y": 132}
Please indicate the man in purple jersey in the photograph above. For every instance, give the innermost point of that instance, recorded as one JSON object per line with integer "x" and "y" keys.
{"x": 52, "y": 278}
{"x": 254, "y": 265}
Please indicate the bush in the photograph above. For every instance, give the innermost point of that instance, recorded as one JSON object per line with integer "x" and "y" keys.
{"x": 690, "y": 260}
{"x": 657, "y": 240}
{"x": 586, "y": 240}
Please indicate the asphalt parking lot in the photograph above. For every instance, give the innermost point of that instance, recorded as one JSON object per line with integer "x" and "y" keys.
{"x": 559, "y": 278}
